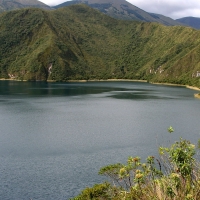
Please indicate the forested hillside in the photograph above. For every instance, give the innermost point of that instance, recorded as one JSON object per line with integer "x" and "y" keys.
{"x": 78, "y": 42}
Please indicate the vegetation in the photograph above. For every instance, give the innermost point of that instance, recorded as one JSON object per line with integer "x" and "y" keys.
{"x": 175, "y": 175}
{"x": 78, "y": 42}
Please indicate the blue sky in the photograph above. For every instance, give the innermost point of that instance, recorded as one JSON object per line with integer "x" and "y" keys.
{"x": 171, "y": 8}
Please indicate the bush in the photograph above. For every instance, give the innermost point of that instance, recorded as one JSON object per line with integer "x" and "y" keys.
{"x": 98, "y": 191}
{"x": 175, "y": 175}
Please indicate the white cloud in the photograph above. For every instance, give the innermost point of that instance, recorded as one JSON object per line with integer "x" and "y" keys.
{"x": 171, "y": 8}
{"x": 53, "y": 2}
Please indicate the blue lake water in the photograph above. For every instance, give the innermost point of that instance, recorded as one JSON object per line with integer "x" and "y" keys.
{"x": 54, "y": 137}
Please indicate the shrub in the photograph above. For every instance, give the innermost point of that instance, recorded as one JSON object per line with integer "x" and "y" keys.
{"x": 175, "y": 175}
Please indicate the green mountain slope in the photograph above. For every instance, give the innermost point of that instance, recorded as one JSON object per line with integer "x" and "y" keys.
{"x": 78, "y": 42}
{"x": 6, "y": 5}
{"x": 190, "y": 21}
{"x": 121, "y": 9}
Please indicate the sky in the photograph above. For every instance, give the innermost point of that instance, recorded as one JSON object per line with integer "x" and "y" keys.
{"x": 171, "y": 8}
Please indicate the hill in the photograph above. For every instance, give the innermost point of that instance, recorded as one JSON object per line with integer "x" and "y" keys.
{"x": 190, "y": 21}
{"x": 6, "y": 5}
{"x": 122, "y": 9}
{"x": 78, "y": 42}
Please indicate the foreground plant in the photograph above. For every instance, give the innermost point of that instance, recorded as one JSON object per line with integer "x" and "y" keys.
{"x": 175, "y": 175}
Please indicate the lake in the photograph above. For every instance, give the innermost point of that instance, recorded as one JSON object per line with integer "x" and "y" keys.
{"x": 54, "y": 137}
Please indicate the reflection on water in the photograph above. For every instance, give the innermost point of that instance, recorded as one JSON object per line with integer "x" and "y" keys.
{"x": 138, "y": 96}
{"x": 53, "y": 89}
{"x": 122, "y": 90}
{"x": 55, "y": 136}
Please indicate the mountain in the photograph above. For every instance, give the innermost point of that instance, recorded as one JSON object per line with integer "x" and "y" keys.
{"x": 190, "y": 21}
{"x": 122, "y": 9}
{"x": 6, "y": 5}
{"x": 78, "y": 42}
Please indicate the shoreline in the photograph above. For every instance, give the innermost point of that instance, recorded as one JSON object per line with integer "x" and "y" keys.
{"x": 197, "y": 95}
{"x": 192, "y": 88}
{"x": 10, "y": 79}
{"x": 81, "y": 81}
{"x": 168, "y": 84}
{"x": 107, "y": 80}
{"x": 178, "y": 85}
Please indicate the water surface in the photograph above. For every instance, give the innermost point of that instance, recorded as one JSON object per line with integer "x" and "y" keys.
{"x": 54, "y": 137}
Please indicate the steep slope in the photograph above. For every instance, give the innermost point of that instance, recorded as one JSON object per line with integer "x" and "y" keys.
{"x": 122, "y": 9}
{"x": 6, "y": 5}
{"x": 60, "y": 45}
{"x": 78, "y": 42}
{"x": 190, "y": 21}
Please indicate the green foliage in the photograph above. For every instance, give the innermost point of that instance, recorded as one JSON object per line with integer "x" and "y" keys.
{"x": 78, "y": 42}
{"x": 97, "y": 192}
{"x": 181, "y": 154}
{"x": 175, "y": 175}
{"x": 170, "y": 130}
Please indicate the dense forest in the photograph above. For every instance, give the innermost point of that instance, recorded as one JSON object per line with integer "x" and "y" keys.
{"x": 78, "y": 42}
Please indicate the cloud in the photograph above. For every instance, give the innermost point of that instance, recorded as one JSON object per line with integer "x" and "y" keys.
{"x": 53, "y": 2}
{"x": 171, "y": 8}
